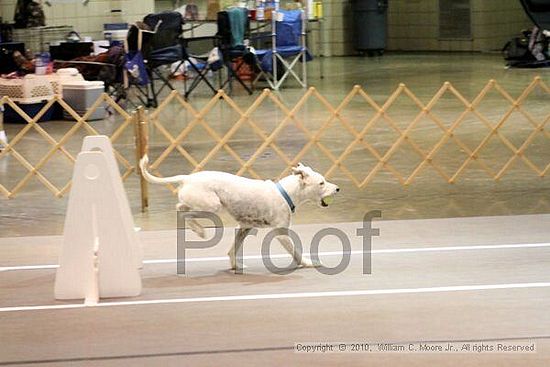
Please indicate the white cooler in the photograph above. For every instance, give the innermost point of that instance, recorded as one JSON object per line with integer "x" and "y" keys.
{"x": 81, "y": 96}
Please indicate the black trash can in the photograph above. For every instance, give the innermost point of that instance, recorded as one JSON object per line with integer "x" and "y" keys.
{"x": 369, "y": 23}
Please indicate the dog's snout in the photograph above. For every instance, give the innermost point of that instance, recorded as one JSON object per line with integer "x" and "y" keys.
{"x": 337, "y": 189}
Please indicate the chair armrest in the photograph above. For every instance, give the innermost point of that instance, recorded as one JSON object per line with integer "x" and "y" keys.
{"x": 82, "y": 62}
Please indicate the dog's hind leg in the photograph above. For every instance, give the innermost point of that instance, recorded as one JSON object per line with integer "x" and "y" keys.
{"x": 235, "y": 250}
{"x": 192, "y": 223}
{"x": 197, "y": 201}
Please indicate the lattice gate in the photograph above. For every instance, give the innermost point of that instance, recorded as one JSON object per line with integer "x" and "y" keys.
{"x": 368, "y": 132}
{"x": 334, "y": 115}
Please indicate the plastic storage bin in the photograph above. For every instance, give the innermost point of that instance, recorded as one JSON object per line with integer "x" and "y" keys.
{"x": 115, "y": 33}
{"x": 115, "y": 26}
{"x": 30, "y": 93}
{"x": 31, "y": 109}
{"x": 64, "y": 76}
{"x": 30, "y": 89}
{"x": 81, "y": 96}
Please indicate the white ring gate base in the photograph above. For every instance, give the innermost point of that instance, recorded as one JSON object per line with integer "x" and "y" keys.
{"x": 100, "y": 254}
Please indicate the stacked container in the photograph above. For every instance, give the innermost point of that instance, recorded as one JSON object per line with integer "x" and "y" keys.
{"x": 81, "y": 95}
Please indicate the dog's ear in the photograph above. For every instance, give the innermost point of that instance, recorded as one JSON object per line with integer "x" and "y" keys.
{"x": 299, "y": 171}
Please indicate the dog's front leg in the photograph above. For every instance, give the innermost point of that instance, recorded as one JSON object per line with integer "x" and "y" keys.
{"x": 291, "y": 249}
{"x": 240, "y": 235}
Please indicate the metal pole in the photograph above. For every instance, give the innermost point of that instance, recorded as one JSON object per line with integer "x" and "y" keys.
{"x": 274, "y": 50}
{"x": 321, "y": 39}
{"x": 304, "y": 48}
{"x": 3, "y": 136}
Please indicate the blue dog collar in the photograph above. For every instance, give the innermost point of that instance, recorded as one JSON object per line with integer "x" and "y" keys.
{"x": 286, "y": 197}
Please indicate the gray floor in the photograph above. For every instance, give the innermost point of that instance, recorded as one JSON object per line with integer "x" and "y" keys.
{"x": 179, "y": 327}
{"x": 184, "y": 325}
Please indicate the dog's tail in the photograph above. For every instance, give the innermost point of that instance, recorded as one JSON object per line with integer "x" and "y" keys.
{"x": 158, "y": 180}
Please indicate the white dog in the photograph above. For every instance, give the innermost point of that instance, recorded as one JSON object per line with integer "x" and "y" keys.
{"x": 253, "y": 203}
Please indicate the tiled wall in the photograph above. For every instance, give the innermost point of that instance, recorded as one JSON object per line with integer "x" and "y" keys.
{"x": 87, "y": 19}
{"x": 414, "y": 25}
{"x": 337, "y": 28}
{"x": 495, "y": 22}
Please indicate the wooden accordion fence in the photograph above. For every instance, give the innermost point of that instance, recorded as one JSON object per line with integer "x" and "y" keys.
{"x": 360, "y": 128}
{"x": 58, "y": 144}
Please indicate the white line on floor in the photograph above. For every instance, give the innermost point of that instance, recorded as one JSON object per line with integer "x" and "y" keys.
{"x": 321, "y": 254}
{"x": 255, "y": 297}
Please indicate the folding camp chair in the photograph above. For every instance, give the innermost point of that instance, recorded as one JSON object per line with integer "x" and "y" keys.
{"x": 233, "y": 29}
{"x": 201, "y": 63}
{"x": 288, "y": 46}
{"x": 161, "y": 47}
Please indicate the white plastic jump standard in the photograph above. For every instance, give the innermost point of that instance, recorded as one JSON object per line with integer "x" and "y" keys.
{"x": 103, "y": 144}
{"x": 100, "y": 252}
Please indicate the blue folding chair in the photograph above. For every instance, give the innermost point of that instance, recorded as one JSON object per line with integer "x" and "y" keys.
{"x": 288, "y": 46}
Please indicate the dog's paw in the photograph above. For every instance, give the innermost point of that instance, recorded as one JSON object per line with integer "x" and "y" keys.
{"x": 234, "y": 267}
{"x": 308, "y": 263}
